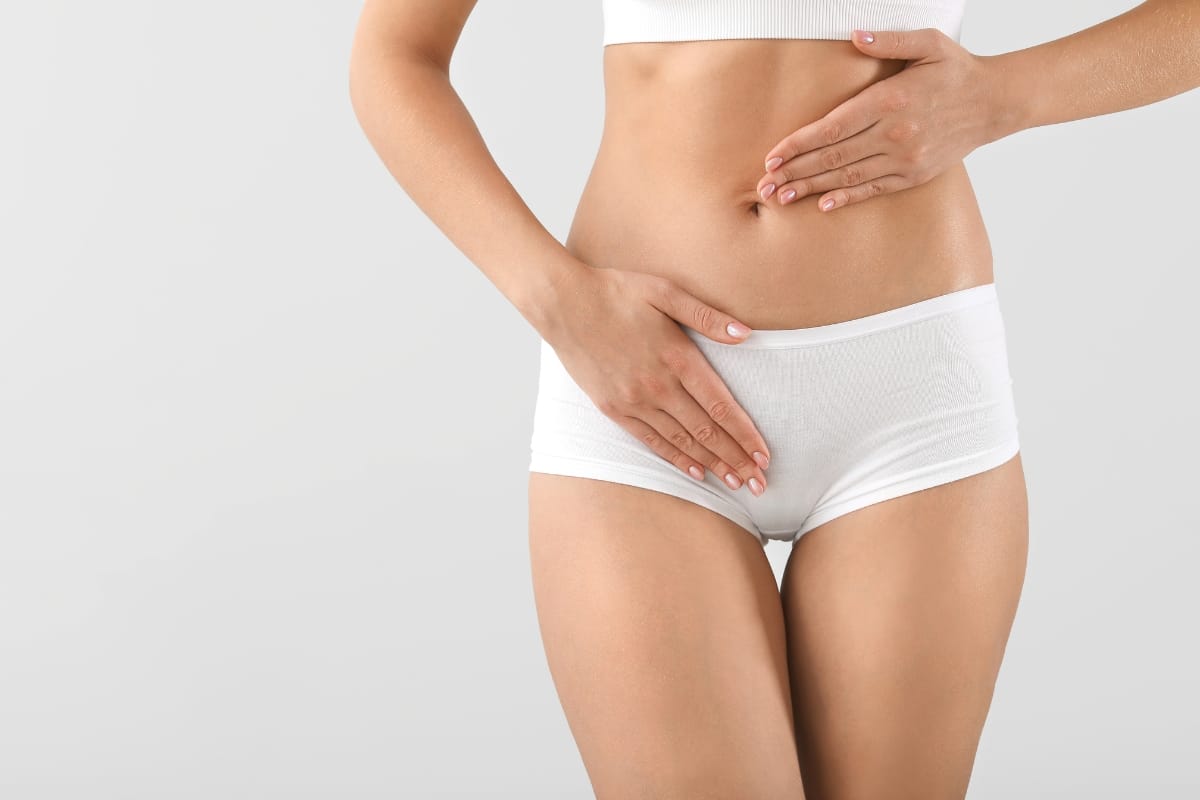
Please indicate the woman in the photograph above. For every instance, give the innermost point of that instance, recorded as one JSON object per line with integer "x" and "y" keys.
{"x": 721, "y": 356}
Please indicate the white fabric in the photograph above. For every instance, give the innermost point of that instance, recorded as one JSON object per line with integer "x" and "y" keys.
{"x": 853, "y": 413}
{"x": 679, "y": 20}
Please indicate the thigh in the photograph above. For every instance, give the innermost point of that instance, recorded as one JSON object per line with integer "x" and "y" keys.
{"x": 663, "y": 632}
{"x": 897, "y": 617}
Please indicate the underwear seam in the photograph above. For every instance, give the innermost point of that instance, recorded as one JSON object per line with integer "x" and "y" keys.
{"x": 923, "y": 471}
{"x": 647, "y": 473}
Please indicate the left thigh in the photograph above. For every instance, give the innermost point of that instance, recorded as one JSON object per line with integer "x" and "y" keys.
{"x": 898, "y": 615}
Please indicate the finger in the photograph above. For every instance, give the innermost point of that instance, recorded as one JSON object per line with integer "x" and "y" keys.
{"x": 698, "y": 315}
{"x": 856, "y": 194}
{"x": 660, "y": 445}
{"x": 679, "y": 436}
{"x": 903, "y": 45}
{"x": 848, "y": 176}
{"x": 850, "y": 117}
{"x": 826, "y": 159}
{"x": 712, "y": 436}
{"x": 713, "y": 396}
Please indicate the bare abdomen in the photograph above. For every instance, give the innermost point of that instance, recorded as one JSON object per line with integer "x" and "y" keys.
{"x": 672, "y": 191}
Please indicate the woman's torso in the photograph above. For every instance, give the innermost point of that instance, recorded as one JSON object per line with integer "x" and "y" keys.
{"x": 673, "y": 188}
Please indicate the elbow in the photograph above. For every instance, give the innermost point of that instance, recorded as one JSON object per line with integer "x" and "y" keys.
{"x": 367, "y": 75}
{"x": 373, "y": 69}
{"x": 358, "y": 73}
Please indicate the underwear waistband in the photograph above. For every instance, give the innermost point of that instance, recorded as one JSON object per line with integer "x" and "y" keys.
{"x": 891, "y": 318}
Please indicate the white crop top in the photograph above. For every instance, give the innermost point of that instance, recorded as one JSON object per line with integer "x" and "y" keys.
{"x": 686, "y": 20}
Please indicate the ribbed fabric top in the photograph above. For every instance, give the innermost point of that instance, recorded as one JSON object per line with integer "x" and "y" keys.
{"x": 685, "y": 20}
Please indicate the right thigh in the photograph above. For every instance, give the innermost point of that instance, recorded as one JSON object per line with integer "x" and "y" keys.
{"x": 664, "y": 636}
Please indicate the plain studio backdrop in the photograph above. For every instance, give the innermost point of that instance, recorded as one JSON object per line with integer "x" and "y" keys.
{"x": 264, "y": 430}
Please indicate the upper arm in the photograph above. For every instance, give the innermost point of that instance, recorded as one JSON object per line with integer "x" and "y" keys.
{"x": 426, "y": 28}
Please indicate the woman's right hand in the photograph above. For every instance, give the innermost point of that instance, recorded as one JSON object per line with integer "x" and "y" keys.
{"x": 617, "y": 337}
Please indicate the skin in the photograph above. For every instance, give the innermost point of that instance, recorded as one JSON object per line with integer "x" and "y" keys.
{"x": 685, "y": 673}
{"x": 682, "y": 670}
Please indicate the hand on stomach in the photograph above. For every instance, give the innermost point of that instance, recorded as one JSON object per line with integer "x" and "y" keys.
{"x": 673, "y": 189}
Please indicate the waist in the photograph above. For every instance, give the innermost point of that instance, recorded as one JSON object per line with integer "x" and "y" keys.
{"x": 673, "y": 189}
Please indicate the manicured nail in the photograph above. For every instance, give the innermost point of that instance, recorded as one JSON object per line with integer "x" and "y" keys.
{"x": 773, "y": 163}
{"x": 766, "y": 190}
{"x": 827, "y": 204}
{"x": 737, "y": 329}
{"x": 866, "y": 37}
{"x": 696, "y": 472}
{"x": 756, "y": 488}
{"x": 787, "y": 195}
{"x": 760, "y": 459}
{"x": 733, "y": 481}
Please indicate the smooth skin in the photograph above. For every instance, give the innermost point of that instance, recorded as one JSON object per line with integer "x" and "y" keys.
{"x": 681, "y": 669}
{"x": 684, "y": 672}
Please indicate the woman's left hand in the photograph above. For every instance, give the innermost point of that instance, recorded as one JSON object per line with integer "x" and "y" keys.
{"x": 897, "y": 133}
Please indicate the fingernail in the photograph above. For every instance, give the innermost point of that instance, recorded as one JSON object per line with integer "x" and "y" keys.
{"x": 756, "y": 488}
{"x": 696, "y": 472}
{"x": 866, "y": 37}
{"x": 773, "y": 163}
{"x": 787, "y": 195}
{"x": 737, "y": 329}
{"x": 766, "y": 190}
{"x": 760, "y": 459}
{"x": 733, "y": 481}
{"x": 826, "y": 205}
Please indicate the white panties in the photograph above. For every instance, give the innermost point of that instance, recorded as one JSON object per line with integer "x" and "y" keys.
{"x": 853, "y": 413}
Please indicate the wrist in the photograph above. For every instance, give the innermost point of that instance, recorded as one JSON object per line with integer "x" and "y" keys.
{"x": 540, "y": 298}
{"x": 1010, "y": 96}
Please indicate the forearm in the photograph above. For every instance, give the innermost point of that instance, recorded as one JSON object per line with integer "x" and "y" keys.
{"x": 1147, "y": 54}
{"x": 428, "y": 141}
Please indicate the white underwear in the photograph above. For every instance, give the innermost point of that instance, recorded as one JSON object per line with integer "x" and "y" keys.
{"x": 853, "y": 413}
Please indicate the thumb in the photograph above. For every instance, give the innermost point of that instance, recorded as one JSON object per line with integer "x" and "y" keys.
{"x": 700, "y": 316}
{"x": 902, "y": 45}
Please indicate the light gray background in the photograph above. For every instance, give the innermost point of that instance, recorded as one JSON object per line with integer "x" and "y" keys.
{"x": 264, "y": 430}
